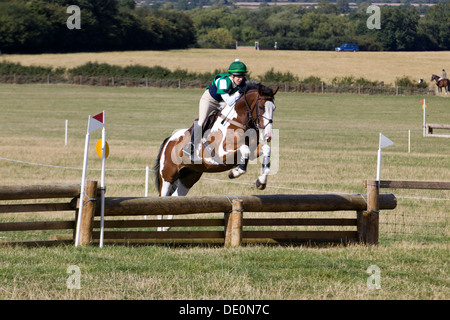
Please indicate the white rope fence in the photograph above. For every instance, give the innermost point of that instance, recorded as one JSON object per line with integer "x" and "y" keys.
{"x": 216, "y": 180}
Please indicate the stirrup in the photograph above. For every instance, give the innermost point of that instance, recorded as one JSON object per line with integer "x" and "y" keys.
{"x": 188, "y": 149}
{"x": 195, "y": 154}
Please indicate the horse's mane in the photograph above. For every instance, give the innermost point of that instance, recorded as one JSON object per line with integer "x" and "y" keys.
{"x": 255, "y": 85}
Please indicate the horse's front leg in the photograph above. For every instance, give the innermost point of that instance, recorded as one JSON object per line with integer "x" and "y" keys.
{"x": 166, "y": 191}
{"x": 243, "y": 162}
{"x": 262, "y": 179}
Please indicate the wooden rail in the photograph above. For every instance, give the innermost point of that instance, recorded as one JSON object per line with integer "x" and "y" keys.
{"x": 35, "y": 192}
{"x": 231, "y": 230}
{"x": 432, "y": 185}
{"x": 431, "y": 126}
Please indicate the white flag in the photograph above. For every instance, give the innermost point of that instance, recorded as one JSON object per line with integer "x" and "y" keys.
{"x": 385, "y": 142}
{"x": 96, "y": 122}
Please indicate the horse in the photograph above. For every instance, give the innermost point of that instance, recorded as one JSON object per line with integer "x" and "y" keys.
{"x": 441, "y": 83}
{"x": 228, "y": 144}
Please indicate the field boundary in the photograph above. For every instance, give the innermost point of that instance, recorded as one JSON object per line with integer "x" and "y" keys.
{"x": 295, "y": 87}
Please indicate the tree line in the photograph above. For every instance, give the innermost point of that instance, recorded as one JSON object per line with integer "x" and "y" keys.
{"x": 36, "y": 26}
{"x": 325, "y": 27}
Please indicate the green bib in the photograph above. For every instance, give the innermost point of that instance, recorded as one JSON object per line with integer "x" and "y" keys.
{"x": 223, "y": 84}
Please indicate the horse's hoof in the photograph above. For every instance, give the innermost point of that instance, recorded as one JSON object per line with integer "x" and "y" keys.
{"x": 259, "y": 185}
{"x": 231, "y": 175}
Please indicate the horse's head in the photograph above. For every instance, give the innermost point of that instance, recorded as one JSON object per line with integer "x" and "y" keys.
{"x": 434, "y": 77}
{"x": 255, "y": 109}
{"x": 264, "y": 111}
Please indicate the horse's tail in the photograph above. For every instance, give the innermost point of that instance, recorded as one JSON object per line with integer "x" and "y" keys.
{"x": 155, "y": 169}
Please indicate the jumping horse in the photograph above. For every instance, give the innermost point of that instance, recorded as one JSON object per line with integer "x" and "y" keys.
{"x": 441, "y": 83}
{"x": 228, "y": 144}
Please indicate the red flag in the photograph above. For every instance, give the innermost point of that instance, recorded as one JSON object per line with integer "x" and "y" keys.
{"x": 96, "y": 122}
{"x": 423, "y": 100}
{"x": 99, "y": 117}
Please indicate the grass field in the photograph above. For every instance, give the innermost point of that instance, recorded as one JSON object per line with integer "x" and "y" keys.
{"x": 374, "y": 66}
{"x": 328, "y": 143}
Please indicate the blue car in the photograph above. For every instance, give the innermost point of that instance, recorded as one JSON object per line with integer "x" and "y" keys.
{"x": 348, "y": 47}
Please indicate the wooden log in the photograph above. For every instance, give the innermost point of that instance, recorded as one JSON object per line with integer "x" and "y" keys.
{"x": 438, "y": 126}
{"x": 233, "y": 225}
{"x": 227, "y": 228}
{"x": 161, "y": 223}
{"x": 299, "y": 222}
{"x": 136, "y": 235}
{"x": 36, "y": 225}
{"x": 35, "y": 207}
{"x": 369, "y": 220}
{"x": 259, "y": 203}
{"x": 51, "y": 191}
{"x": 433, "y": 185}
{"x": 302, "y": 235}
{"x": 39, "y": 191}
{"x": 36, "y": 243}
{"x": 236, "y": 223}
{"x": 87, "y": 220}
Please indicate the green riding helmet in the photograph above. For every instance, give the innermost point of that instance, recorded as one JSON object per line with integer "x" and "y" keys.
{"x": 237, "y": 68}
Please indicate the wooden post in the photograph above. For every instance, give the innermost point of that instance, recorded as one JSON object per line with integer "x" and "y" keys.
{"x": 227, "y": 220}
{"x": 369, "y": 219}
{"x": 360, "y": 225}
{"x": 233, "y": 225}
{"x": 87, "y": 220}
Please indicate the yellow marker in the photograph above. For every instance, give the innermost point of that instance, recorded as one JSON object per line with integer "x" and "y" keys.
{"x": 98, "y": 148}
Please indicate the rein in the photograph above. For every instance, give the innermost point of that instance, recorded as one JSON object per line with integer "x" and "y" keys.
{"x": 253, "y": 123}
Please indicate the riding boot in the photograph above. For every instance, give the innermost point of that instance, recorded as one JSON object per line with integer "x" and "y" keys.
{"x": 194, "y": 147}
{"x": 196, "y": 141}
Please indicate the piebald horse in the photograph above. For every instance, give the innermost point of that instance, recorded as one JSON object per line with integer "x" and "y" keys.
{"x": 233, "y": 139}
{"x": 441, "y": 83}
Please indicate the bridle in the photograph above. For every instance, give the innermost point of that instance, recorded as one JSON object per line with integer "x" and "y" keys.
{"x": 252, "y": 122}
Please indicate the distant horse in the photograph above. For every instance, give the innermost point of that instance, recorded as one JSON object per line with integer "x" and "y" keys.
{"x": 233, "y": 138}
{"x": 441, "y": 83}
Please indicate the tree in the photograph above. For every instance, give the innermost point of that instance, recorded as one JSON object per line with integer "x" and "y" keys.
{"x": 217, "y": 38}
{"x": 398, "y": 28}
{"x": 435, "y": 26}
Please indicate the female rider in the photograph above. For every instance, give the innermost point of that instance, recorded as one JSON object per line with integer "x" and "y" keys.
{"x": 226, "y": 87}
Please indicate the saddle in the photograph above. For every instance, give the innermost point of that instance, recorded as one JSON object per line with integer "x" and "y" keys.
{"x": 207, "y": 125}
{"x": 209, "y": 122}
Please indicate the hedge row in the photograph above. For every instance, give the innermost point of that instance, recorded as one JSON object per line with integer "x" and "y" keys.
{"x": 92, "y": 69}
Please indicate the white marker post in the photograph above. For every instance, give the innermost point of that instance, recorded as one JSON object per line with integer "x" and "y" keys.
{"x": 94, "y": 123}
{"x": 384, "y": 142}
{"x": 146, "y": 185}
{"x": 409, "y": 140}
{"x": 102, "y": 184}
{"x": 424, "y": 106}
{"x": 65, "y": 136}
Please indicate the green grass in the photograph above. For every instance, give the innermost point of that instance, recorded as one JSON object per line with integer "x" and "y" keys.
{"x": 328, "y": 143}
{"x": 255, "y": 272}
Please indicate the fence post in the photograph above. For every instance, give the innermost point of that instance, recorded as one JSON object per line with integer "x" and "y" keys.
{"x": 87, "y": 220}
{"x": 233, "y": 225}
{"x": 368, "y": 221}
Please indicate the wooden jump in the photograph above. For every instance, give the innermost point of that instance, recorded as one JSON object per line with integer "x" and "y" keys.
{"x": 231, "y": 230}
{"x": 431, "y": 126}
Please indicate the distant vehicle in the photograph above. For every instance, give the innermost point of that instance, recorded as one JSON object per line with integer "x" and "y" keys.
{"x": 348, "y": 47}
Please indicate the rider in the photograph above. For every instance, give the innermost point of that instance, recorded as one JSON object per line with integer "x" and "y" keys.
{"x": 225, "y": 87}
